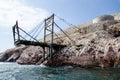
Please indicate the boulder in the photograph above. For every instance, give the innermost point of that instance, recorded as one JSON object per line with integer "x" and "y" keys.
{"x": 109, "y": 57}
{"x": 31, "y": 55}
{"x": 117, "y": 59}
{"x": 11, "y": 55}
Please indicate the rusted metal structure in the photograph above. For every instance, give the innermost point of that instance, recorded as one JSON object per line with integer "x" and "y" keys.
{"x": 48, "y": 28}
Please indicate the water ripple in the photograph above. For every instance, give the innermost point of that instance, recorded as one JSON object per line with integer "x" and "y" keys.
{"x": 13, "y": 71}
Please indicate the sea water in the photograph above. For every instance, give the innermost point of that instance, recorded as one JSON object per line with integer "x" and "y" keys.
{"x": 14, "y": 71}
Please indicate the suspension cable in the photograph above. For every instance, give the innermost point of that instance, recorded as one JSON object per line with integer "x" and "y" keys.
{"x": 38, "y": 32}
{"x": 28, "y": 34}
{"x": 21, "y": 36}
{"x": 56, "y": 34}
{"x": 63, "y": 31}
{"x": 37, "y": 29}
{"x": 34, "y": 29}
{"x": 69, "y": 24}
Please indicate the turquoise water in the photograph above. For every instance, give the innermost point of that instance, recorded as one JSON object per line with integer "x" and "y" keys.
{"x": 13, "y": 71}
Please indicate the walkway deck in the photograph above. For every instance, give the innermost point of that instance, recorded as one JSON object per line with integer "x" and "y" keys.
{"x": 42, "y": 44}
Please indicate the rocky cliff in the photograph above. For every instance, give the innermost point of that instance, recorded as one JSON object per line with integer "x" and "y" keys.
{"x": 94, "y": 44}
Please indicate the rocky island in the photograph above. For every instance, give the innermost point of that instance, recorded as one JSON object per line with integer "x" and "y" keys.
{"x": 95, "y": 44}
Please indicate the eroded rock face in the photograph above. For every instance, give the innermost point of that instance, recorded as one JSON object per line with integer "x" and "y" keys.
{"x": 114, "y": 30}
{"x": 11, "y": 55}
{"x": 90, "y": 47}
{"x": 116, "y": 16}
{"x": 117, "y": 59}
{"x": 88, "y": 59}
{"x": 73, "y": 57}
{"x": 109, "y": 57}
{"x": 31, "y": 55}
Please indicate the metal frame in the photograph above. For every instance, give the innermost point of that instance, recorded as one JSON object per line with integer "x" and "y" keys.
{"x": 49, "y": 27}
{"x": 51, "y": 47}
{"x": 16, "y": 31}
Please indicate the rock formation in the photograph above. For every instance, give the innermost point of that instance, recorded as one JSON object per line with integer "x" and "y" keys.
{"x": 11, "y": 55}
{"x": 94, "y": 44}
{"x": 31, "y": 55}
{"x": 103, "y": 18}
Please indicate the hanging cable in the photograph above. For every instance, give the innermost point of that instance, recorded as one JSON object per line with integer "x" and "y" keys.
{"x": 56, "y": 34}
{"x": 35, "y": 28}
{"x": 63, "y": 31}
{"x": 38, "y": 32}
{"x": 69, "y": 24}
{"x": 58, "y": 37}
{"x": 21, "y": 36}
{"x": 28, "y": 34}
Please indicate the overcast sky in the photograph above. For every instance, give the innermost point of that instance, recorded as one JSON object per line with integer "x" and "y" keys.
{"x": 31, "y": 12}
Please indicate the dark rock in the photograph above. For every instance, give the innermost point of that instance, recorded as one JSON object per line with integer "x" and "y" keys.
{"x": 71, "y": 58}
{"x": 114, "y": 30}
{"x": 117, "y": 59}
{"x": 109, "y": 58}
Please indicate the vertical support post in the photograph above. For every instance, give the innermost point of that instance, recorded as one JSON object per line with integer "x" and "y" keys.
{"x": 44, "y": 40}
{"x": 13, "y": 28}
{"x": 49, "y": 26}
{"x": 43, "y": 53}
{"x": 52, "y": 29}
{"x": 45, "y": 32}
{"x": 52, "y": 36}
{"x": 17, "y": 30}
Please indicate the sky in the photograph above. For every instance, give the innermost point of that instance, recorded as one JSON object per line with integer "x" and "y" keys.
{"x": 29, "y": 13}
